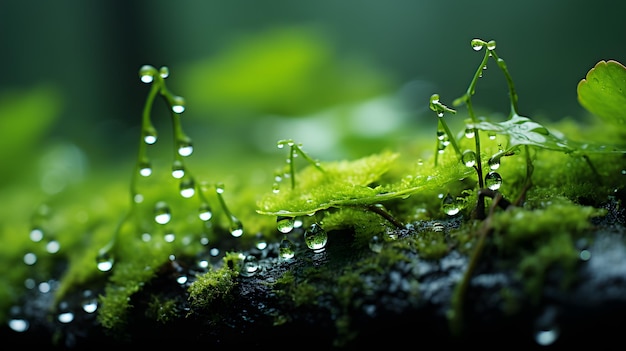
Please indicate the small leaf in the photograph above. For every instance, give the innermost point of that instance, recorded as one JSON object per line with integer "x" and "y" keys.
{"x": 603, "y": 91}
{"x": 524, "y": 131}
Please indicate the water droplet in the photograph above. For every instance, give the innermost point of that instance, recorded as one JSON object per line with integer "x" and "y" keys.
{"x": 494, "y": 162}
{"x": 284, "y": 224}
{"x": 204, "y": 241}
{"x": 149, "y": 136}
{"x": 376, "y": 244}
{"x": 30, "y": 258}
{"x": 104, "y": 261}
{"x": 469, "y": 158}
{"x": 315, "y": 237}
{"x": 178, "y": 169}
{"x": 275, "y": 188}
{"x": 469, "y": 132}
{"x": 187, "y": 188}
{"x": 450, "y": 205}
{"x": 182, "y": 279}
{"x": 205, "y": 213}
{"x": 178, "y": 104}
{"x": 19, "y": 325}
{"x": 17, "y": 322}
{"x": 219, "y": 188}
{"x": 147, "y": 73}
{"x": 138, "y": 198}
{"x": 169, "y": 237}
{"x": 65, "y": 316}
{"x": 44, "y": 287}
{"x": 491, "y": 135}
{"x": 145, "y": 169}
{"x": 162, "y": 214}
{"x": 546, "y": 337}
{"x": 261, "y": 243}
{"x": 477, "y": 44}
{"x": 53, "y": 246}
{"x": 36, "y": 235}
{"x": 185, "y": 148}
{"x": 90, "y": 302}
{"x": 493, "y": 180}
{"x": 286, "y": 249}
{"x": 250, "y": 266}
{"x": 584, "y": 255}
{"x": 441, "y": 135}
{"x": 30, "y": 283}
{"x": 236, "y": 227}
{"x": 164, "y": 72}
{"x": 297, "y": 223}
{"x": 491, "y": 45}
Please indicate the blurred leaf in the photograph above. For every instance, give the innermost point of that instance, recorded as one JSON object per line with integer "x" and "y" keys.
{"x": 286, "y": 71}
{"x": 25, "y": 117}
{"x": 603, "y": 91}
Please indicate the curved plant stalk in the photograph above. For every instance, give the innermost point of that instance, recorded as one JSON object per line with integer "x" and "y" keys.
{"x": 182, "y": 147}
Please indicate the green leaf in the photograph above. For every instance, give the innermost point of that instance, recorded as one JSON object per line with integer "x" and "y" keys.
{"x": 603, "y": 91}
{"x": 524, "y": 131}
{"x": 354, "y": 184}
{"x": 340, "y": 182}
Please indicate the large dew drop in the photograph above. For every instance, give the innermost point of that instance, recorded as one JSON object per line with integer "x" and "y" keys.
{"x": 315, "y": 237}
{"x": 147, "y": 73}
{"x": 187, "y": 188}
{"x": 162, "y": 213}
{"x": 477, "y": 44}
{"x": 185, "y": 148}
{"x": 178, "y": 104}
{"x": 469, "y": 158}
{"x": 149, "y": 136}
{"x": 286, "y": 249}
{"x": 494, "y": 162}
{"x": 145, "y": 169}
{"x": 250, "y": 266}
{"x": 236, "y": 227}
{"x": 36, "y": 235}
{"x": 164, "y": 72}
{"x": 493, "y": 180}
{"x": 450, "y": 205}
{"x": 178, "y": 169}
{"x": 104, "y": 261}
{"x": 285, "y": 224}
{"x": 205, "y": 213}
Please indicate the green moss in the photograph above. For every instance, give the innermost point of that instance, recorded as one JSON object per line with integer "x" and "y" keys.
{"x": 543, "y": 238}
{"x": 214, "y": 286}
{"x": 162, "y": 310}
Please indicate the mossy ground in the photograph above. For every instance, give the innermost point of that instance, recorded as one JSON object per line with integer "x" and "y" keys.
{"x": 192, "y": 274}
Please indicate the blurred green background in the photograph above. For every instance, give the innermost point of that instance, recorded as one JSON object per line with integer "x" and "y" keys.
{"x": 345, "y": 78}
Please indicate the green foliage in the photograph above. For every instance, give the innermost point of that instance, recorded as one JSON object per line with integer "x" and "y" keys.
{"x": 603, "y": 92}
{"x": 288, "y": 71}
{"x": 26, "y": 117}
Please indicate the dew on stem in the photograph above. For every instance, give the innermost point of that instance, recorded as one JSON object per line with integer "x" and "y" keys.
{"x": 294, "y": 150}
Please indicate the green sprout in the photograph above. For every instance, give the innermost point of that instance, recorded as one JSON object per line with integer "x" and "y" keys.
{"x": 182, "y": 148}
{"x": 295, "y": 150}
{"x": 520, "y": 132}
